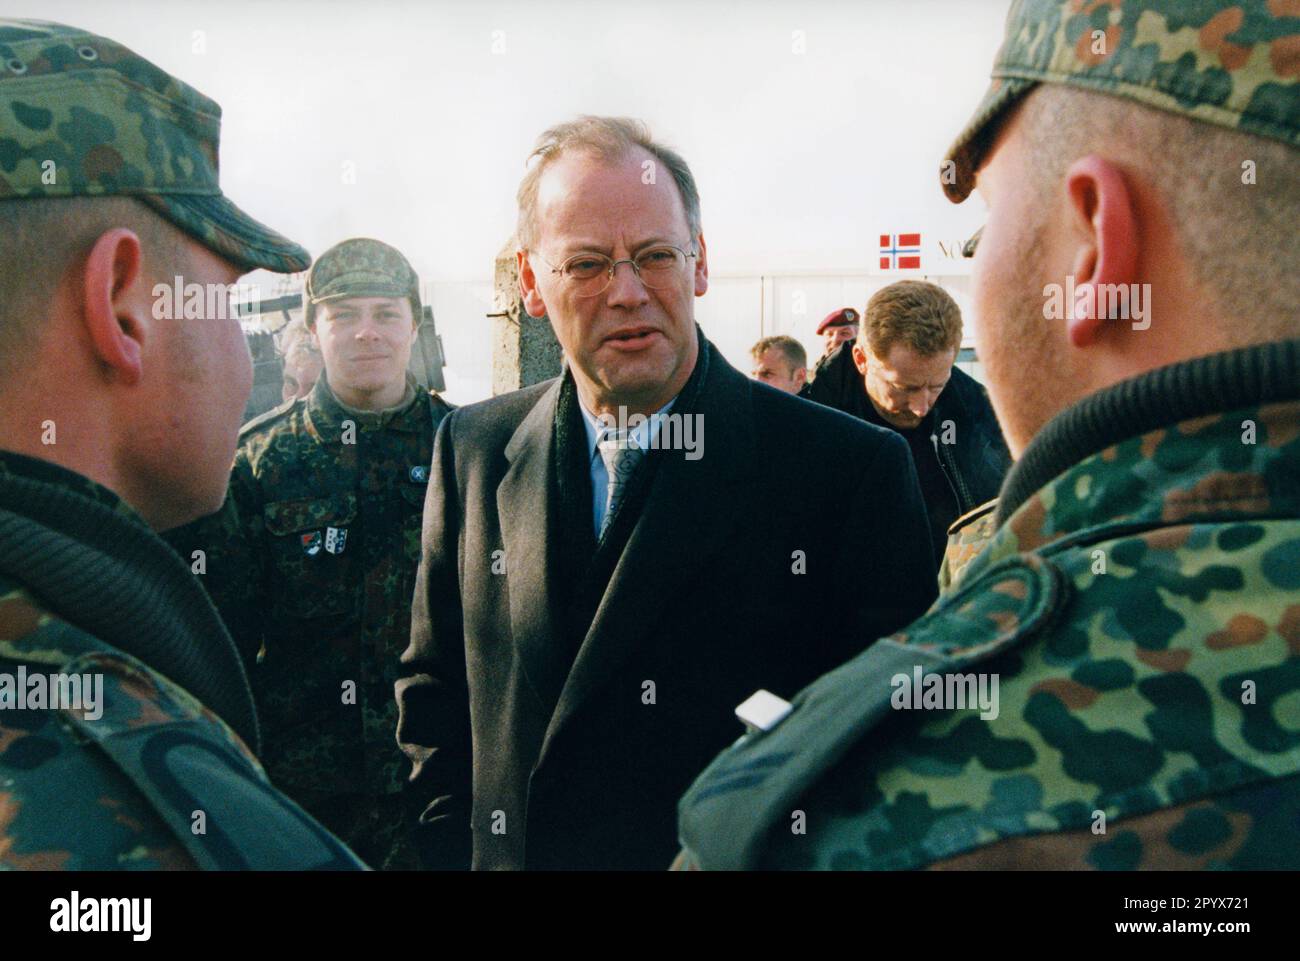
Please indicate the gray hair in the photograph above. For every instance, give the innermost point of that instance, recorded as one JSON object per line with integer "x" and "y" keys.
{"x": 611, "y": 138}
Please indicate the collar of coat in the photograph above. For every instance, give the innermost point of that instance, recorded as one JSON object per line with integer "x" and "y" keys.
{"x": 328, "y": 414}
{"x": 1206, "y": 440}
{"x": 93, "y": 562}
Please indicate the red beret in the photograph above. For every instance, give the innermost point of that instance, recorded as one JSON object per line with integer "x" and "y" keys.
{"x": 838, "y": 318}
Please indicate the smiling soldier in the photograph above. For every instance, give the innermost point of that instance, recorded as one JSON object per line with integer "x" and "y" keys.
{"x": 311, "y": 560}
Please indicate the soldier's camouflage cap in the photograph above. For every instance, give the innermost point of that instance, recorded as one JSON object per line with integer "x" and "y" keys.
{"x": 83, "y": 116}
{"x": 1236, "y": 65}
{"x": 361, "y": 267}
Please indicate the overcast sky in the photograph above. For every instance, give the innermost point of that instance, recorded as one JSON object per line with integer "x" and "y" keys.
{"x": 802, "y": 157}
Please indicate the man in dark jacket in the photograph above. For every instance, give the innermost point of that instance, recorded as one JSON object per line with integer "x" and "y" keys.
{"x": 595, "y": 598}
{"x": 899, "y": 374}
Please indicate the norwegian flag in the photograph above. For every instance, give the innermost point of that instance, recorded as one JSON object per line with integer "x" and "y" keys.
{"x": 900, "y": 251}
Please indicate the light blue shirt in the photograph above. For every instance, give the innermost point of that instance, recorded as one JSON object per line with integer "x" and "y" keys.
{"x": 643, "y": 434}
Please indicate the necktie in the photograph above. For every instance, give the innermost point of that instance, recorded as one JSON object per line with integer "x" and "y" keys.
{"x": 619, "y": 450}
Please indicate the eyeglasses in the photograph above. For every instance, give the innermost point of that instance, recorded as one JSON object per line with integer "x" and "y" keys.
{"x": 589, "y": 274}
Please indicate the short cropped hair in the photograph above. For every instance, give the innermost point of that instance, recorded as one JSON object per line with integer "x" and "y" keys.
{"x": 43, "y": 237}
{"x": 1237, "y": 233}
{"x": 612, "y": 139}
{"x": 915, "y": 313}
{"x": 789, "y": 348}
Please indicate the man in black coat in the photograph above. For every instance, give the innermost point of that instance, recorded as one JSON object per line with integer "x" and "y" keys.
{"x": 615, "y": 559}
{"x": 900, "y": 374}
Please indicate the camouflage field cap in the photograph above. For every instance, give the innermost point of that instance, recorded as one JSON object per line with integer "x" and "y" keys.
{"x": 83, "y": 116}
{"x": 360, "y": 267}
{"x": 1236, "y": 65}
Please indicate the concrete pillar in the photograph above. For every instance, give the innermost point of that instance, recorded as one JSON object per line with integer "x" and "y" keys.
{"x": 524, "y": 349}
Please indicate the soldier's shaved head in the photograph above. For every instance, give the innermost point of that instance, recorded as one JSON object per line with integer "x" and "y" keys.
{"x": 44, "y": 240}
{"x": 1233, "y": 198}
{"x": 97, "y": 378}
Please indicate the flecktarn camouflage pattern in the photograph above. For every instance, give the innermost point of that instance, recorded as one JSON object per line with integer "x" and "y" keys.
{"x": 967, "y": 536}
{"x": 83, "y": 116}
{"x": 1236, "y": 65}
{"x": 105, "y": 763}
{"x": 1141, "y": 613}
{"x": 311, "y": 563}
{"x": 110, "y": 792}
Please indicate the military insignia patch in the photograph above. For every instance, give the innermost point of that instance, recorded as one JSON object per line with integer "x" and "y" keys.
{"x": 335, "y": 539}
{"x": 420, "y": 474}
{"x": 311, "y": 543}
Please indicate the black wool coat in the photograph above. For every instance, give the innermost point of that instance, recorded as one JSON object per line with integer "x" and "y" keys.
{"x": 979, "y": 460}
{"x": 530, "y": 751}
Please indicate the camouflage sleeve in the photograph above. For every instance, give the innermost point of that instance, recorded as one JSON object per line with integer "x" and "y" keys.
{"x": 1250, "y": 828}
{"x": 103, "y": 825}
{"x": 63, "y": 804}
{"x": 223, "y": 550}
{"x": 432, "y": 693}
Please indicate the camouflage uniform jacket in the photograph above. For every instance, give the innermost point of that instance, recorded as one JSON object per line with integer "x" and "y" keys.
{"x": 139, "y": 774}
{"x": 311, "y": 562}
{"x": 1140, "y": 603}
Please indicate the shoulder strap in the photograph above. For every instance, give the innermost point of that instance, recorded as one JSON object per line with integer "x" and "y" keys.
{"x": 726, "y": 814}
{"x": 198, "y": 776}
{"x": 265, "y": 418}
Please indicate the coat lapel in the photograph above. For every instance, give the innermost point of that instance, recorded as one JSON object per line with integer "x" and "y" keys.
{"x": 689, "y": 510}
{"x": 522, "y": 511}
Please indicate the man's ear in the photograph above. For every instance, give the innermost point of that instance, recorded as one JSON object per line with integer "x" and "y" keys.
{"x": 701, "y": 268}
{"x": 1102, "y": 213}
{"x": 800, "y": 376}
{"x": 114, "y": 309}
{"x": 532, "y": 296}
{"x": 860, "y": 358}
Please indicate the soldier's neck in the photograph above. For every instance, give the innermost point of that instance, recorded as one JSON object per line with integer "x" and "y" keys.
{"x": 388, "y": 398}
